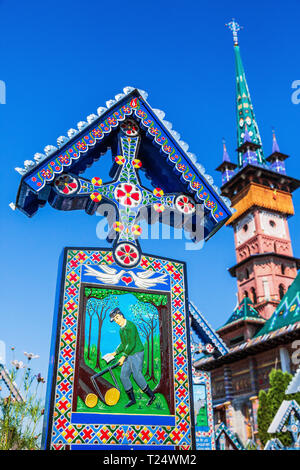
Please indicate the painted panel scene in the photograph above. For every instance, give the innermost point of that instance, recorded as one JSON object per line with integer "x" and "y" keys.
{"x": 125, "y": 357}
{"x": 200, "y": 407}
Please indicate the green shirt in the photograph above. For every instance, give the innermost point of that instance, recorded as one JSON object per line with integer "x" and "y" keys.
{"x": 130, "y": 340}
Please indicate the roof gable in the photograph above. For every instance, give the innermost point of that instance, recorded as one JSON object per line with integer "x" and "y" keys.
{"x": 167, "y": 161}
{"x": 205, "y": 332}
{"x": 274, "y": 444}
{"x": 287, "y": 409}
{"x": 294, "y": 385}
{"x": 287, "y": 312}
{"x": 222, "y": 429}
{"x": 244, "y": 311}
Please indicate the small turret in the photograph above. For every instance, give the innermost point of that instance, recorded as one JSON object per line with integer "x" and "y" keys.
{"x": 277, "y": 159}
{"x": 227, "y": 167}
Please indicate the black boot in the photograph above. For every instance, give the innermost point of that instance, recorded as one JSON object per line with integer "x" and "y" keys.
{"x": 131, "y": 398}
{"x": 150, "y": 394}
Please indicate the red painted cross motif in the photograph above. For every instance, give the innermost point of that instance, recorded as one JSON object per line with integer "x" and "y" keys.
{"x": 64, "y": 386}
{"x": 119, "y": 434}
{"x": 181, "y": 392}
{"x": 179, "y": 345}
{"x": 104, "y": 434}
{"x": 87, "y": 434}
{"x": 183, "y": 426}
{"x": 176, "y": 276}
{"x": 61, "y": 423}
{"x": 70, "y": 433}
{"x": 66, "y": 370}
{"x": 96, "y": 257}
{"x": 72, "y": 291}
{"x": 145, "y": 435}
{"x": 179, "y": 330}
{"x": 63, "y": 404}
{"x": 177, "y": 289}
{"x": 145, "y": 263}
{"x": 181, "y": 376}
{"x": 68, "y": 337}
{"x": 182, "y": 409}
{"x": 176, "y": 435}
{"x": 130, "y": 435}
{"x": 161, "y": 435}
{"x": 69, "y": 321}
{"x": 67, "y": 352}
{"x": 179, "y": 360}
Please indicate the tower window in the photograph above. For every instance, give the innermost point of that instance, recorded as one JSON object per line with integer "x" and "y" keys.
{"x": 247, "y": 273}
{"x": 245, "y": 227}
{"x": 281, "y": 291}
{"x": 254, "y": 297}
{"x": 282, "y": 269}
{"x": 272, "y": 223}
{"x": 245, "y": 293}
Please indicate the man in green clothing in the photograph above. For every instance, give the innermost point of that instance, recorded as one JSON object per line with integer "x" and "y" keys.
{"x": 132, "y": 357}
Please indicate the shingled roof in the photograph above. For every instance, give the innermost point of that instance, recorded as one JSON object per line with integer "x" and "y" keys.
{"x": 287, "y": 312}
{"x": 243, "y": 312}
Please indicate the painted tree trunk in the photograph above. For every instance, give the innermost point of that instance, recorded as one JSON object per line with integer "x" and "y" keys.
{"x": 98, "y": 365}
{"x": 89, "y": 343}
{"x": 110, "y": 394}
{"x": 87, "y": 394}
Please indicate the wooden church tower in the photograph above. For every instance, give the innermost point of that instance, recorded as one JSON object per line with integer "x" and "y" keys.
{"x": 261, "y": 194}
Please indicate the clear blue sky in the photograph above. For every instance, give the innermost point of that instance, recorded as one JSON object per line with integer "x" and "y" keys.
{"x": 61, "y": 60}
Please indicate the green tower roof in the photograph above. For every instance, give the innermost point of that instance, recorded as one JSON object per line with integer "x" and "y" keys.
{"x": 287, "y": 312}
{"x": 247, "y": 127}
{"x": 244, "y": 311}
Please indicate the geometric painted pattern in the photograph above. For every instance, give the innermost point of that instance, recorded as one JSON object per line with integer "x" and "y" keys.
{"x": 63, "y": 432}
{"x": 222, "y": 432}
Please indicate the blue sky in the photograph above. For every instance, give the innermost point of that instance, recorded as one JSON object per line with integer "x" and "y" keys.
{"x": 61, "y": 60}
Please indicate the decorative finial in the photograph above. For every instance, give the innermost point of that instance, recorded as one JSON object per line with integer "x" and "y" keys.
{"x": 234, "y": 27}
{"x": 225, "y": 153}
{"x": 275, "y": 146}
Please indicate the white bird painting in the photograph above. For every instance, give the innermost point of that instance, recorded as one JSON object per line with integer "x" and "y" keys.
{"x": 142, "y": 279}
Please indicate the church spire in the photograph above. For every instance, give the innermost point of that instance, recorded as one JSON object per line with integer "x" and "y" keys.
{"x": 246, "y": 122}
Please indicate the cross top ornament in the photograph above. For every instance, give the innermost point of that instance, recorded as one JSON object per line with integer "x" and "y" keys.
{"x": 128, "y": 195}
{"x": 235, "y": 28}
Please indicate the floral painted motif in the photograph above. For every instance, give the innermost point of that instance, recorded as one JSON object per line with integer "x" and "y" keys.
{"x": 128, "y": 195}
{"x": 130, "y": 128}
{"x": 66, "y": 184}
{"x": 127, "y": 254}
{"x": 185, "y": 204}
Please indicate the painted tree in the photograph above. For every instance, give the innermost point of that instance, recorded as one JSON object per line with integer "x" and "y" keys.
{"x": 146, "y": 316}
{"x": 165, "y": 385}
{"x": 90, "y": 311}
{"x": 101, "y": 301}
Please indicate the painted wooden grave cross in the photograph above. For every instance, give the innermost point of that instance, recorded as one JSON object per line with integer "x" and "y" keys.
{"x": 87, "y": 397}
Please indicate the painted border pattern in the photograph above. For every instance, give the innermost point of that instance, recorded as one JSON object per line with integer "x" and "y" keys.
{"x": 55, "y": 165}
{"x": 62, "y": 431}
